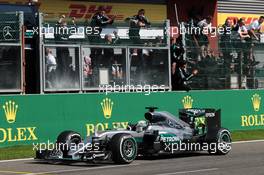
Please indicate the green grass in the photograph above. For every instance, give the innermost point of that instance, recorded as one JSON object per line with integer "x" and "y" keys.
{"x": 248, "y": 135}
{"x": 26, "y": 151}
{"x": 16, "y": 152}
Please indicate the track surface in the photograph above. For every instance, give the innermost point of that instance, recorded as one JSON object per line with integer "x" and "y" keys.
{"x": 244, "y": 159}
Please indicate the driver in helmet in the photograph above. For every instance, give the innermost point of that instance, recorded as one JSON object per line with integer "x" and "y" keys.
{"x": 141, "y": 125}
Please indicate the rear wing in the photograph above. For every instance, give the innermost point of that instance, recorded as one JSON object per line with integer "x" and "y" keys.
{"x": 211, "y": 118}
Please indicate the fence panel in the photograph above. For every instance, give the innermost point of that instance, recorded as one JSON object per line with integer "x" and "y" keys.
{"x": 11, "y": 52}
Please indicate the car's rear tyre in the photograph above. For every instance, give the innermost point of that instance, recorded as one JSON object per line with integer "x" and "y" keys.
{"x": 68, "y": 139}
{"x": 123, "y": 148}
{"x": 222, "y": 143}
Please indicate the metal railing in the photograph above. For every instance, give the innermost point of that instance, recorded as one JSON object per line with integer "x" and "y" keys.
{"x": 11, "y": 52}
{"x": 110, "y": 59}
{"x": 234, "y": 63}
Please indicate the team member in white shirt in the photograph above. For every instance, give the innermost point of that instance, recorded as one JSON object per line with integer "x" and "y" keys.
{"x": 50, "y": 61}
{"x": 241, "y": 29}
{"x": 206, "y": 24}
{"x": 254, "y": 27}
{"x": 247, "y": 47}
{"x": 51, "y": 66}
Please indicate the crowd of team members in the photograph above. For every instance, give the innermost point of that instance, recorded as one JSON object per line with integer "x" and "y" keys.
{"x": 98, "y": 57}
{"x": 237, "y": 36}
{"x": 235, "y": 53}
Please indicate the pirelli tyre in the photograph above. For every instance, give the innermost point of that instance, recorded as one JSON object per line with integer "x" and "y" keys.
{"x": 222, "y": 143}
{"x": 123, "y": 148}
{"x": 66, "y": 139}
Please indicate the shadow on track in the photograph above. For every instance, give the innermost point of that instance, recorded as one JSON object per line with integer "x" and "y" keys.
{"x": 172, "y": 156}
{"x": 107, "y": 163}
{"x": 72, "y": 163}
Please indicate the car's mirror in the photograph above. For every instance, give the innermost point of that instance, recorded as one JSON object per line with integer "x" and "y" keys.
{"x": 179, "y": 127}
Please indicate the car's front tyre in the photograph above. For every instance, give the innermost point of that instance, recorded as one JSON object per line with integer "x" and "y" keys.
{"x": 123, "y": 148}
{"x": 66, "y": 140}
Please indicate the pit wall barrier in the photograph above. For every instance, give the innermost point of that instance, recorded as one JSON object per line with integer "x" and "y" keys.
{"x": 27, "y": 119}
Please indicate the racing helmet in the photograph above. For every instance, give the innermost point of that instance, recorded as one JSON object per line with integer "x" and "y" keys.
{"x": 141, "y": 125}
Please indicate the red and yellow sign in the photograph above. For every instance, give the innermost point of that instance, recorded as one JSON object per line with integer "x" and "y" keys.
{"x": 82, "y": 10}
{"x": 249, "y": 18}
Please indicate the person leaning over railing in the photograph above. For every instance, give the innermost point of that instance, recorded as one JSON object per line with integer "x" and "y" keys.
{"x": 62, "y": 33}
{"x": 99, "y": 21}
{"x": 254, "y": 29}
{"x": 244, "y": 42}
{"x": 136, "y": 23}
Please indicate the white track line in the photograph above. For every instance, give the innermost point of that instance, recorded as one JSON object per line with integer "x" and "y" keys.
{"x": 15, "y": 160}
{"x": 14, "y": 172}
{"x": 81, "y": 169}
{"x": 249, "y": 141}
{"x": 193, "y": 171}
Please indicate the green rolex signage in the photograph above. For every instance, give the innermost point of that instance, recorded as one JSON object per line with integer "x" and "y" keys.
{"x": 39, "y": 118}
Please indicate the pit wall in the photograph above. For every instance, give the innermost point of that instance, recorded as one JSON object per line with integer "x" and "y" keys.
{"x": 38, "y": 118}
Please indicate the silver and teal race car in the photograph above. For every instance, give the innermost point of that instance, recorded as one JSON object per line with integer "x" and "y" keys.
{"x": 160, "y": 133}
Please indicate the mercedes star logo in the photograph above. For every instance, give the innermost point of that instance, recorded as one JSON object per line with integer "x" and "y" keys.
{"x": 6, "y": 33}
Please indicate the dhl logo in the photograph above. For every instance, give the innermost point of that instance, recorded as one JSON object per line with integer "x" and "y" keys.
{"x": 248, "y": 20}
{"x": 79, "y": 11}
{"x": 84, "y": 11}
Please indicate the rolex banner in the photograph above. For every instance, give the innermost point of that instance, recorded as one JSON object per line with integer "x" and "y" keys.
{"x": 26, "y": 119}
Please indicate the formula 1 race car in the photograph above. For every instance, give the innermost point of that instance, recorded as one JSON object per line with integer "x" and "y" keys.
{"x": 160, "y": 133}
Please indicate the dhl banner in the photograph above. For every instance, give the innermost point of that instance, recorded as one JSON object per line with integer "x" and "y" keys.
{"x": 249, "y": 18}
{"x": 83, "y": 10}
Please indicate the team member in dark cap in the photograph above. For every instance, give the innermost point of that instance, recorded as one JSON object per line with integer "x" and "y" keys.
{"x": 180, "y": 76}
{"x": 100, "y": 20}
{"x": 136, "y": 23}
{"x": 177, "y": 49}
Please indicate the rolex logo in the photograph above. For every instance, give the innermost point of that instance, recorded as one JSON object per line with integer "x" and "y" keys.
{"x": 187, "y": 102}
{"x": 107, "y": 107}
{"x": 256, "y": 100}
{"x": 10, "y": 109}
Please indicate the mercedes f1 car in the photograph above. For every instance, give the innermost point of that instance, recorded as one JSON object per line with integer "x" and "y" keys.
{"x": 160, "y": 133}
